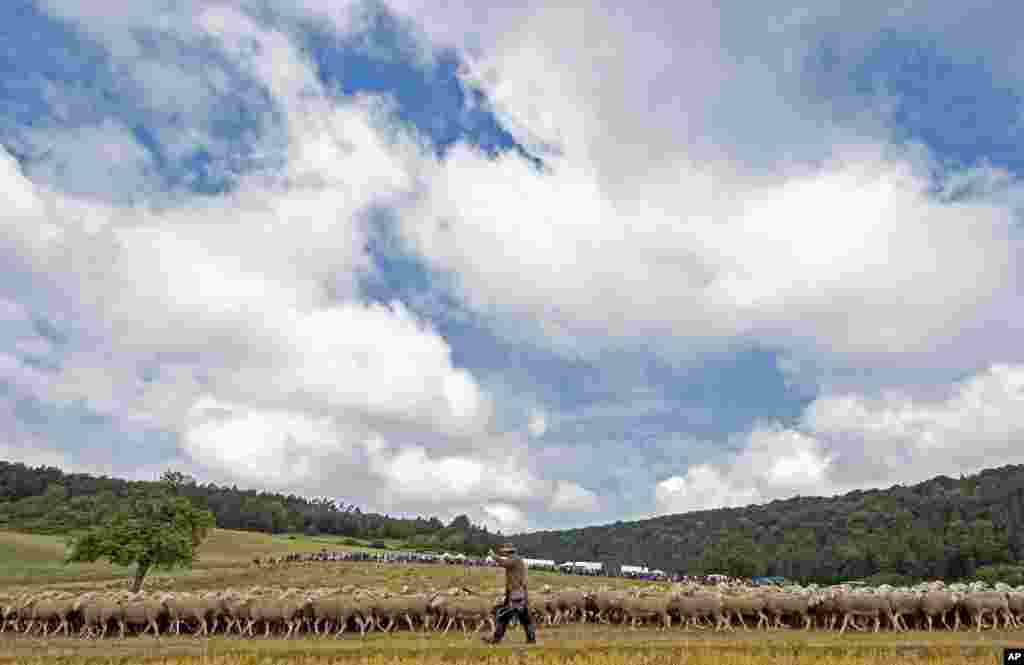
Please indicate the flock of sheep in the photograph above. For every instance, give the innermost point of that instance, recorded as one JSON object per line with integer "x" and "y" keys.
{"x": 324, "y": 612}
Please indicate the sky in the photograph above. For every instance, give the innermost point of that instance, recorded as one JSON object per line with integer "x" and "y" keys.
{"x": 544, "y": 265}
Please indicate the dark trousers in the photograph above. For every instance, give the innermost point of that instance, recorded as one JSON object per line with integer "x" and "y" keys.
{"x": 505, "y": 613}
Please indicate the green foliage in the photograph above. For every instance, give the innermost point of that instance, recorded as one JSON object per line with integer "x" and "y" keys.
{"x": 923, "y": 531}
{"x": 943, "y": 527}
{"x": 894, "y": 579}
{"x": 1012, "y": 574}
{"x": 153, "y": 529}
{"x": 733, "y": 553}
{"x": 30, "y": 500}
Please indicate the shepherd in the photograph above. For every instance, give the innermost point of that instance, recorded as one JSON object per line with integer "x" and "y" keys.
{"x": 516, "y": 601}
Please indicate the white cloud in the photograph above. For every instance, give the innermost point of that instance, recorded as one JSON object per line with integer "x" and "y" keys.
{"x": 537, "y": 424}
{"x": 570, "y": 497}
{"x": 268, "y": 447}
{"x": 852, "y": 441}
{"x": 244, "y": 307}
{"x": 103, "y": 160}
{"x": 823, "y": 262}
{"x": 666, "y": 218}
{"x": 503, "y": 517}
{"x": 681, "y": 220}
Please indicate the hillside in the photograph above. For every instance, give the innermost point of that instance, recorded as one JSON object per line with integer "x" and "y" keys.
{"x": 31, "y": 561}
{"x": 943, "y": 527}
{"x": 31, "y": 558}
{"x": 47, "y": 500}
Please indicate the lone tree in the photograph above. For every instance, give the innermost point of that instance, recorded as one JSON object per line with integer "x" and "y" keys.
{"x": 151, "y": 529}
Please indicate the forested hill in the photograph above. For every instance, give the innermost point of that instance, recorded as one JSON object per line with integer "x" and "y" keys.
{"x": 47, "y": 500}
{"x": 944, "y": 527}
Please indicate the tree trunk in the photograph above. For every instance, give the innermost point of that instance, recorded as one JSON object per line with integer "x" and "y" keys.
{"x": 140, "y": 574}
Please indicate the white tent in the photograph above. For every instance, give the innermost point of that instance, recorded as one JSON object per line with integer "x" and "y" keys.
{"x": 634, "y": 570}
{"x": 539, "y": 563}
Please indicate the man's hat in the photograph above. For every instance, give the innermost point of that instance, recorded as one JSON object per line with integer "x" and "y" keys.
{"x": 507, "y": 548}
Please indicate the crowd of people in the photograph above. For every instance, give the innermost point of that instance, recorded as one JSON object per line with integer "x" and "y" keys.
{"x": 375, "y": 557}
{"x": 711, "y": 580}
{"x": 463, "y": 560}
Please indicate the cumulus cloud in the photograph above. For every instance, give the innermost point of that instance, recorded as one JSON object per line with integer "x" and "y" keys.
{"x": 503, "y": 517}
{"x": 235, "y": 321}
{"x": 22, "y": 445}
{"x": 570, "y": 497}
{"x": 823, "y": 261}
{"x": 853, "y": 441}
{"x": 263, "y": 446}
{"x": 537, "y": 424}
{"x": 681, "y": 220}
{"x": 665, "y": 217}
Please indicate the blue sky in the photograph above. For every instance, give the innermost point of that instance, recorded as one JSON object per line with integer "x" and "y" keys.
{"x": 548, "y": 267}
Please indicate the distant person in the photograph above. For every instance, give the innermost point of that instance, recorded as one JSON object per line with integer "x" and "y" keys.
{"x": 516, "y": 601}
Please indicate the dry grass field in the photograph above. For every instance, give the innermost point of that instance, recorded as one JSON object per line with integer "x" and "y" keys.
{"x": 29, "y": 562}
{"x": 32, "y": 560}
{"x": 225, "y": 560}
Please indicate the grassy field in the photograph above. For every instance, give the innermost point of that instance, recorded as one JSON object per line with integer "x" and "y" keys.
{"x": 225, "y": 560}
{"x": 35, "y": 562}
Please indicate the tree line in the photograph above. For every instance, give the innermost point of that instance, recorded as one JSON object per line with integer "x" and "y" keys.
{"x": 47, "y": 500}
{"x": 966, "y": 528}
